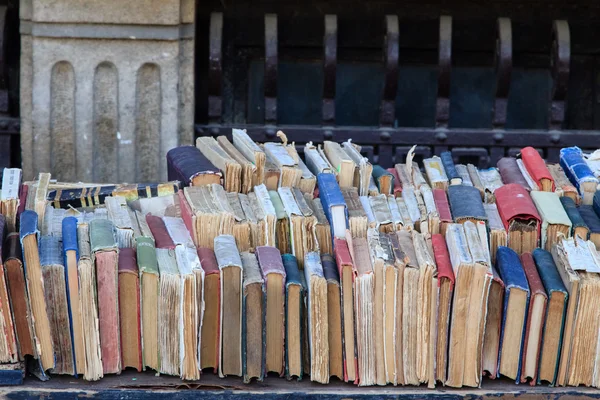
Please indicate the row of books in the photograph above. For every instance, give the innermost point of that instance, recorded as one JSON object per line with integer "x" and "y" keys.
{"x": 395, "y": 276}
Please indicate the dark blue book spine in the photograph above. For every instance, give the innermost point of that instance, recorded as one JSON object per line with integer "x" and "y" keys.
{"x": 292, "y": 277}
{"x": 449, "y": 167}
{"x": 69, "y": 238}
{"x": 331, "y": 195}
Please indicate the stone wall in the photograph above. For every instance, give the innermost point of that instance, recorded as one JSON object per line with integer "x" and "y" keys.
{"x": 106, "y": 87}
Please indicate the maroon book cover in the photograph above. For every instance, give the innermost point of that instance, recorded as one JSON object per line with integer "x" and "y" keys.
{"x": 129, "y": 309}
{"x": 162, "y": 239}
{"x": 514, "y": 202}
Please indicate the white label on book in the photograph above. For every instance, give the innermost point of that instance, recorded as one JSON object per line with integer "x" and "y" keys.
{"x": 262, "y": 195}
{"x": 289, "y": 201}
{"x": 578, "y": 254}
{"x": 435, "y": 170}
{"x": 178, "y": 231}
{"x": 11, "y": 180}
{"x": 226, "y": 252}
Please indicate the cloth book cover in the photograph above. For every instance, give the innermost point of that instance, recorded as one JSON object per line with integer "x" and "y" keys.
{"x": 513, "y": 276}
{"x": 211, "y": 338}
{"x": 552, "y": 213}
{"x": 536, "y": 289}
{"x": 293, "y": 279}
{"x": 379, "y": 174}
{"x": 334, "y": 316}
{"x": 442, "y": 258}
{"x": 510, "y": 172}
{"x": 577, "y": 170}
{"x": 514, "y": 202}
{"x": 442, "y": 205}
{"x": 451, "y": 172}
{"x": 553, "y": 283}
{"x": 253, "y": 319}
{"x": 331, "y": 196}
{"x": 577, "y": 220}
{"x": 590, "y": 218}
{"x": 162, "y": 239}
{"x": 465, "y": 203}
{"x": 129, "y": 312}
{"x": 184, "y": 163}
{"x": 536, "y": 166}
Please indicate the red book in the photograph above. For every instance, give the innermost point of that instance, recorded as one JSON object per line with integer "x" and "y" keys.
{"x": 536, "y": 167}
{"x": 397, "y": 183}
{"x": 210, "y": 349}
{"x": 162, "y": 239}
{"x": 536, "y": 316}
{"x": 347, "y": 274}
{"x": 446, "y": 285}
{"x": 441, "y": 203}
{"x": 519, "y": 216}
{"x": 129, "y": 310}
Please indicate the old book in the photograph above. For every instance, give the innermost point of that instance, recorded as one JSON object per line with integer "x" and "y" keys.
{"x": 294, "y": 299}
{"x": 11, "y": 184}
{"x": 365, "y": 168}
{"x": 498, "y": 235}
{"x": 347, "y": 275}
{"x": 129, "y": 309}
{"x": 118, "y": 213}
{"x": 342, "y": 163}
{"x": 465, "y": 204}
{"x": 266, "y": 215}
{"x": 161, "y": 236}
{"x": 578, "y": 223}
{"x": 366, "y": 204}
{"x": 383, "y": 179}
{"x": 491, "y": 180}
{"x": 147, "y": 265}
{"x": 241, "y": 228}
{"x": 269, "y": 260}
{"x": 373, "y": 189}
{"x": 210, "y": 346}
{"x": 188, "y": 165}
{"x": 463, "y": 172}
{"x": 252, "y": 152}
{"x": 516, "y": 304}
{"x": 436, "y": 174}
{"x": 308, "y": 181}
{"x": 213, "y": 215}
{"x": 333, "y": 204}
{"x": 70, "y": 255}
{"x": 36, "y": 198}
{"x": 536, "y": 317}
{"x": 272, "y": 173}
{"x": 253, "y": 320}
{"x": 445, "y": 282}
{"x": 317, "y": 318}
{"x": 248, "y": 173}
{"x": 520, "y": 217}
{"x": 432, "y": 215}
{"x": 17, "y": 291}
{"x": 290, "y": 174}
{"x": 536, "y": 167}
{"x": 169, "y": 312}
{"x": 405, "y": 214}
{"x": 417, "y": 176}
{"x": 493, "y": 325}
{"x": 8, "y": 341}
{"x": 563, "y": 187}
{"x": 55, "y": 291}
{"x": 427, "y": 290}
{"x": 552, "y": 335}
{"x": 510, "y": 172}
{"x": 137, "y": 191}
{"x": 555, "y": 221}
{"x": 105, "y": 258}
{"x": 35, "y": 289}
{"x": 357, "y": 218}
{"x": 309, "y": 236}
{"x": 230, "y": 168}
{"x": 453, "y": 177}
{"x": 397, "y": 183}
{"x": 579, "y": 173}
{"x": 397, "y": 217}
{"x": 296, "y": 222}
{"x": 187, "y": 262}
{"x": 400, "y": 259}
{"x": 409, "y": 197}
{"x": 384, "y": 300}
{"x": 322, "y": 228}
{"x": 282, "y": 225}
{"x": 334, "y": 316}
{"x": 530, "y": 182}
{"x": 592, "y": 222}
{"x": 381, "y": 211}
{"x": 315, "y": 162}
{"x": 476, "y": 179}
{"x": 364, "y": 286}
{"x": 89, "y": 305}
{"x": 404, "y": 175}
{"x": 441, "y": 203}
{"x": 230, "y": 267}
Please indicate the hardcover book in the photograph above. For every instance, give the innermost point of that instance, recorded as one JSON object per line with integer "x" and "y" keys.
{"x": 436, "y": 174}
{"x": 253, "y": 299}
{"x": 491, "y": 180}
{"x": 147, "y": 264}
{"x": 555, "y": 221}
{"x": 282, "y": 225}
{"x": 8, "y": 341}
{"x": 341, "y": 162}
{"x": 316, "y": 163}
{"x": 248, "y": 172}
{"x": 357, "y": 218}
{"x": 252, "y": 152}
{"x": 383, "y": 179}
{"x": 510, "y": 172}
{"x": 290, "y": 174}
{"x": 334, "y": 317}
{"x": 210, "y": 345}
{"x": 322, "y": 229}
{"x": 11, "y": 185}
{"x": 364, "y": 167}
{"x": 333, "y": 204}
{"x": 579, "y": 173}
{"x": 462, "y": 170}
{"x": 443, "y": 207}
{"x": 129, "y": 309}
{"x": 453, "y": 177}
{"x": 498, "y": 235}
{"x": 294, "y": 299}
{"x": 493, "y": 325}
{"x": 563, "y": 187}
{"x": 578, "y": 223}
{"x": 397, "y": 183}
{"x": 465, "y": 204}
{"x": 592, "y": 222}
{"x": 535, "y": 165}
{"x": 520, "y": 217}
{"x": 188, "y": 165}
{"x": 230, "y": 168}
{"x": 317, "y": 318}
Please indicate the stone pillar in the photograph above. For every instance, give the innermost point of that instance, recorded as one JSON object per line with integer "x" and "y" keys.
{"x": 107, "y": 87}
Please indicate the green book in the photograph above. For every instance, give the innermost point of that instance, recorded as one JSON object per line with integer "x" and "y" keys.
{"x": 149, "y": 294}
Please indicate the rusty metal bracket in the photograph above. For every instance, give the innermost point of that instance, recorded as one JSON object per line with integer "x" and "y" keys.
{"x": 390, "y": 57}
{"x": 560, "y": 60}
{"x": 329, "y": 69}
{"x": 215, "y": 68}
{"x": 271, "y": 69}
{"x": 503, "y": 65}
{"x": 442, "y": 109}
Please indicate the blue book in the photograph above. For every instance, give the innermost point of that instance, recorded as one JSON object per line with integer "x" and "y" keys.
{"x": 516, "y": 304}
{"x": 555, "y": 315}
{"x": 465, "y": 203}
{"x": 578, "y": 172}
{"x": 294, "y": 294}
{"x": 334, "y": 205}
{"x": 71, "y": 257}
{"x": 453, "y": 176}
{"x": 596, "y": 202}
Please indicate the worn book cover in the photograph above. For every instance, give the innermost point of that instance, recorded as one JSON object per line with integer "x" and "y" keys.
{"x": 453, "y": 177}
{"x": 317, "y": 318}
{"x": 536, "y": 166}
{"x": 129, "y": 309}
{"x": 555, "y": 221}
{"x": 333, "y": 204}
{"x": 188, "y": 165}
{"x": 253, "y": 319}
{"x": 520, "y": 217}
{"x": 294, "y": 299}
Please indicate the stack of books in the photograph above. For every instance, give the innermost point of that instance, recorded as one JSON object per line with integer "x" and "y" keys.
{"x": 252, "y": 260}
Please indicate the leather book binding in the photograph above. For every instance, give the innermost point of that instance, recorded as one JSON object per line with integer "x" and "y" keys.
{"x": 186, "y": 163}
